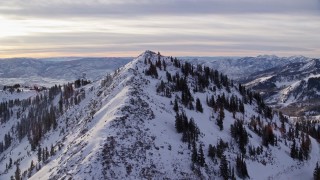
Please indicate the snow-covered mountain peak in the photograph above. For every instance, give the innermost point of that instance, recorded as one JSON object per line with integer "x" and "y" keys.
{"x": 147, "y": 53}
{"x": 155, "y": 118}
{"x": 153, "y": 55}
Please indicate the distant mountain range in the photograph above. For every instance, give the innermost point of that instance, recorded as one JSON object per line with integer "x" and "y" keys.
{"x": 294, "y": 87}
{"x": 50, "y": 71}
{"x": 240, "y": 69}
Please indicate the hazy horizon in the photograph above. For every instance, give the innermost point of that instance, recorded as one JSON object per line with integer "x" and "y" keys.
{"x": 70, "y": 58}
{"x": 162, "y": 52}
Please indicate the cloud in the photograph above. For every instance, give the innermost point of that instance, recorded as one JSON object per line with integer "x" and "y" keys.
{"x": 196, "y": 44}
{"x": 121, "y": 8}
{"x": 181, "y": 27}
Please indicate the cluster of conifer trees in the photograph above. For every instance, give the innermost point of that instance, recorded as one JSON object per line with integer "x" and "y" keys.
{"x": 190, "y": 131}
{"x": 204, "y": 77}
{"x": 241, "y": 167}
{"x": 41, "y": 117}
{"x": 239, "y": 133}
{"x": 302, "y": 152}
{"x": 190, "y": 134}
{"x": 5, "y": 111}
{"x": 81, "y": 82}
{"x": 316, "y": 172}
{"x": 13, "y": 88}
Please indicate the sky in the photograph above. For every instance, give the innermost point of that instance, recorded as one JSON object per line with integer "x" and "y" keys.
{"x": 42, "y": 28}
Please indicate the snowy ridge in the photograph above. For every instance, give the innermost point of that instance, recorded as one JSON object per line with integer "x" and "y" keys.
{"x": 125, "y": 129}
{"x": 259, "y": 80}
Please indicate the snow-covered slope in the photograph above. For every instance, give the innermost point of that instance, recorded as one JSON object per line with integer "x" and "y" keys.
{"x": 286, "y": 83}
{"x": 125, "y": 127}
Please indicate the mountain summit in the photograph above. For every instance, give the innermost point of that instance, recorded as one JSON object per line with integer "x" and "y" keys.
{"x": 155, "y": 118}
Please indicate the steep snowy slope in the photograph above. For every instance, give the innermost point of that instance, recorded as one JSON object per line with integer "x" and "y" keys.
{"x": 126, "y": 126}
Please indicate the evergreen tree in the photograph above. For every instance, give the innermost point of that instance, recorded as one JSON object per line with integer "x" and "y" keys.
{"x": 179, "y": 123}
{"x": 164, "y": 65}
{"x": 52, "y": 151}
{"x": 211, "y": 102}
{"x": 43, "y": 155}
{"x": 241, "y": 107}
{"x": 201, "y": 159}
{"x": 300, "y": 154}
{"x": 60, "y": 104}
{"x": 241, "y": 167}
{"x": 305, "y": 145}
{"x": 194, "y": 155}
{"x": 220, "y": 119}
{"x": 199, "y": 105}
{"x": 152, "y": 71}
{"x": 161, "y": 88}
{"x": 186, "y": 137}
{"x": 316, "y": 172}
{"x": 47, "y": 153}
{"x": 158, "y": 64}
{"x": 221, "y": 146}
{"x": 39, "y": 153}
{"x": 10, "y": 163}
{"x": 221, "y": 114}
{"x": 169, "y": 77}
{"x": 176, "y": 106}
{"x": 224, "y": 168}
{"x": 212, "y": 151}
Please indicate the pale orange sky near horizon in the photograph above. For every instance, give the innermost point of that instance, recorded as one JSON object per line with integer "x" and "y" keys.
{"x": 106, "y": 28}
